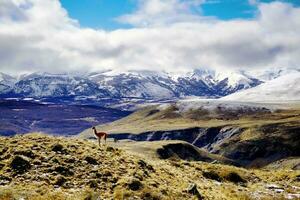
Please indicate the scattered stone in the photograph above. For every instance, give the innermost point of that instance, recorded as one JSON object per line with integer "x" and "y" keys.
{"x": 55, "y": 160}
{"x": 135, "y": 185}
{"x": 60, "y": 181}
{"x": 212, "y": 175}
{"x": 235, "y": 178}
{"x": 5, "y": 157}
{"x": 110, "y": 149}
{"x": 1, "y": 166}
{"x": 64, "y": 171}
{"x": 35, "y": 147}
{"x": 144, "y": 165}
{"x": 275, "y": 188}
{"x": 3, "y": 150}
{"x": 93, "y": 184}
{"x": 20, "y": 164}
{"x": 27, "y": 153}
{"x": 297, "y": 178}
{"x": 70, "y": 160}
{"x": 91, "y": 160}
{"x": 293, "y": 196}
{"x": 107, "y": 173}
{"x": 4, "y": 180}
{"x": 37, "y": 162}
{"x": 192, "y": 189}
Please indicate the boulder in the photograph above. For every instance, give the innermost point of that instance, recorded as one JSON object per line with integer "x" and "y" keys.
{"x": 212, "y": 175}
{"x": 235, "y": 178}
{"x": 20, "y": 164}
{"x": 58, "y": 148}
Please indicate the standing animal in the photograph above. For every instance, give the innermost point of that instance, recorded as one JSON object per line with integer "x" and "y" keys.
{"x": 99, "y": 135}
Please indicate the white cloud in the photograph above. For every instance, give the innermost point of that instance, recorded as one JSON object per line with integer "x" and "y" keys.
{"x": 38, "y": 35}
{"x": 162, "y": 12}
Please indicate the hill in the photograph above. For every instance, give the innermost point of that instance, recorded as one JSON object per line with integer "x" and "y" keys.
{"x": 19, "y": 117}
{"x": 251, "y": 134}
{"x": 37, "y": 166}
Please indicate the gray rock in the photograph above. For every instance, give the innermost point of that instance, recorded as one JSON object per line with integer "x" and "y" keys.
{"x": 4, "y": 180}
{"x": 192, "y": 189}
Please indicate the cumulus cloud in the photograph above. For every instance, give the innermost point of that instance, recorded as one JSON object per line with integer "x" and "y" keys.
{"x": 162, "y": 12}
{"x": 38, "y": 35}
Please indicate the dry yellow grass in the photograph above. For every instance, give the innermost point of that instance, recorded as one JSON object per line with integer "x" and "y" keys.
{"x": 124, "y": 175}
{"x": 143, "y": 120}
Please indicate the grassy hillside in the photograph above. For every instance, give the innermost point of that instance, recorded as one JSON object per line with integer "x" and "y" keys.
{"x": 253, "y": 136}
{"x": 153, "y": 118}
{"x": 37, "y": 166}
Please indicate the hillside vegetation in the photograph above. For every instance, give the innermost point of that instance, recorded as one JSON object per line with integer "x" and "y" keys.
{"x": 36, "y": 166}
{"x": 252, "y": 135}
{"x": 173, "y": 116}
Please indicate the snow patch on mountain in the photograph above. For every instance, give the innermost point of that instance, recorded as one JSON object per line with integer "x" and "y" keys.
{"x": 6, "y": 82}
{"x": 143, "y": 85}
{"x": 284, "y": 88}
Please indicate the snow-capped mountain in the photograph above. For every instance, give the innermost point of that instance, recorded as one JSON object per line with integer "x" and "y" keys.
{"x": 146, "y": 85}
{"x": 272, "y": 73}
{"x": 6, "y": 82}
{"x": 283, "y": 88}
{"x": 56, "y": 85}
{"x": 134, "y": 84}
{"x": 158, "y": 85}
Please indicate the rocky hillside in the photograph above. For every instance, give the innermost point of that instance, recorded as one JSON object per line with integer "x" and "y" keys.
{"x": 37, "y": 166}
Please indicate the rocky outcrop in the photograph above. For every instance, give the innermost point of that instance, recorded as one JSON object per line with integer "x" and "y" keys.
{"x": 276, "y": 142}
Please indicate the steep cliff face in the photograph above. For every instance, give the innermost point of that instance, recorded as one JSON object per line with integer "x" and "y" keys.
{"x": 275, "y": 142}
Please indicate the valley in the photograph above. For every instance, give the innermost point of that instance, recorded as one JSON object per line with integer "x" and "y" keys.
{"x": 19, "y": 117}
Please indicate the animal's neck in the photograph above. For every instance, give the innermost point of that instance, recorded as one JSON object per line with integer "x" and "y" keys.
{"x": 95, "y": 131}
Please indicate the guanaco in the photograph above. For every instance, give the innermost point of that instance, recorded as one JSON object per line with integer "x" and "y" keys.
{"x": 99, "y": 135}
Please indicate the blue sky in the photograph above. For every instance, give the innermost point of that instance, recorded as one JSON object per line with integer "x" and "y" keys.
{"x": 98, "y": 13}
{"x": 102, "y": 14}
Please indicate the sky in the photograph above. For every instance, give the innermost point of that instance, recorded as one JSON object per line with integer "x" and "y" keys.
{"x": 171, "y": 35}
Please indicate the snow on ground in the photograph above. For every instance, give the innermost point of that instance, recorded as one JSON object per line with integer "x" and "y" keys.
{"x": 212, "y": 104}
{"x": 284, "y": 88}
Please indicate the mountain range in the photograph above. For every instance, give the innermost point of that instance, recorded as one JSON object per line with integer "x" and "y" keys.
{"x": 134, "y": 85}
